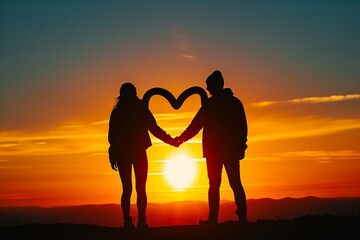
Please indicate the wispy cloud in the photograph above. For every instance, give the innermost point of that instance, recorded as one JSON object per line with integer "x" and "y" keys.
{"x": 156, "y": 173}
{"x": 13, "y": 167}
{"x": 322, "y": 155}
{"x": 8, "y": 145}
{"x": 44, "y": 138}
{"x": 80, "y": 138}
{"x": 158, "y": 142}
{"x": 300, "y": 127}
{"x": 166, "y": 117}
{"x": 83, "y": 140}
{"x": 12, "y": 196}
{"x": 174, "y": 116}
{"x": 100, "y": 122}
{"x": 183, "y": 43}
{"x": 332, "y": 98}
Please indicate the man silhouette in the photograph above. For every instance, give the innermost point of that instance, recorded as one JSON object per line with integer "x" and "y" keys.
{"x": 224, "y": 125}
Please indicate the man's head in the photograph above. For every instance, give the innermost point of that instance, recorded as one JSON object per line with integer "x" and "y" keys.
{"x": 215, "y": 82}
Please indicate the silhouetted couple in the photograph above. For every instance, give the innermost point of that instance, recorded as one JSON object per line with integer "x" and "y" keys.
{"x": 223, "y": 121}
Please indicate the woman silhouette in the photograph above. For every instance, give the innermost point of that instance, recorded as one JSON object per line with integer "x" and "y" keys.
{"x": 128, "y": 136}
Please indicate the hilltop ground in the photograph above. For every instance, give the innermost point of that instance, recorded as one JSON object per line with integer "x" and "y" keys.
{"x": 307, "y": 227}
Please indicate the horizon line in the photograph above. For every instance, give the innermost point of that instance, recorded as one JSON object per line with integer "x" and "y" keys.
{"x": 185, "y": 201}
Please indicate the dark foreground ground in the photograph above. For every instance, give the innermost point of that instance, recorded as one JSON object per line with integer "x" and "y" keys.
{"x": 307, "y": 227}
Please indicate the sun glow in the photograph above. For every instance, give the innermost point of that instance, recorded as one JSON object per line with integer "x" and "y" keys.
{"x": 180, "y": 171}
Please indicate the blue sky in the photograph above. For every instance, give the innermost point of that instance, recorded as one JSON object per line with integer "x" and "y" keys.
{"x": 309, "y": 48}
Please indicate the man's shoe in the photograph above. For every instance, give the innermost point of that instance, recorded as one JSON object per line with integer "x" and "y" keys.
{"x": 242, "y": 220}
{"x": 142, "y": 226}
{"x": 241, "y": 217}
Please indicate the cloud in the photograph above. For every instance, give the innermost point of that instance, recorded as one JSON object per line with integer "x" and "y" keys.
{"x": 80, "y": 138}
{"x": 325, "y": 99}
{"x": 188, "y": 56}
{"x": 322, "y": 155}
{"x": 42, "y": 139}
{"x": 59, "y": 142}
{"x": 100, "y": 122}
{"x": 8, "y": 145}
{"x": 12, "y": 196}
{"x": 158, "y": 142}
{"x": 174, "y": 116}
{"x": 279, "y": 129}
{"x": 156, "y": 173}
{"x": 183, "y": 46}
{"x": 160, "y": 117}
{"x": 13, "y": 167}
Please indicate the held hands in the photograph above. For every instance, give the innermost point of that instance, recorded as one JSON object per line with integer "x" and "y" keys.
{"x": 176, "y": 142}
{"x": 173, "y": 142}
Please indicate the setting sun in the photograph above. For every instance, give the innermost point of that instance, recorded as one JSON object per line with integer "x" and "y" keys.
{"x": 180, "y": 171}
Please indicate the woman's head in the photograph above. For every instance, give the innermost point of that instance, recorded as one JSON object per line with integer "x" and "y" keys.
{"x": 127, "y": 90}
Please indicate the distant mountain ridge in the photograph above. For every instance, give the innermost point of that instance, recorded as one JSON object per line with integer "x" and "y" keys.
{"x": 180, "y": 213}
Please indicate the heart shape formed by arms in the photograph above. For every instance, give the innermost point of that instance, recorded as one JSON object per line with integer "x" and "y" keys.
{"x": 175, "y": 103}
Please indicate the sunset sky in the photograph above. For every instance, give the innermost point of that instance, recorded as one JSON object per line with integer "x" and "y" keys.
{"x": 294, "y": 64}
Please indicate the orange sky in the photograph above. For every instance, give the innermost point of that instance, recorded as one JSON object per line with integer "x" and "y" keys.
{"x": 290, "y": 154}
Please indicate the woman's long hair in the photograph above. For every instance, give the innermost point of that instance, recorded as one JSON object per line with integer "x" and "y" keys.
{"x": 127, "y": 91}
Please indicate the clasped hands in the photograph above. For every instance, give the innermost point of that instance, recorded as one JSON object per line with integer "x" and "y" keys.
{"x": 175, "y": 142}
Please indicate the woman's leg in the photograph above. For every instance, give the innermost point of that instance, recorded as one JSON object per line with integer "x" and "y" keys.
{"x": 125, "y": 176}
{"x": 141, "y": 172}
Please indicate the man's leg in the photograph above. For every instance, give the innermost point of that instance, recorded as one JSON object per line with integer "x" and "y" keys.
{"x": 233, "y": 171}
{"x": 141, "y": 172}
{"x": 125, "y": 176}
{"x": 214, "y": 168}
